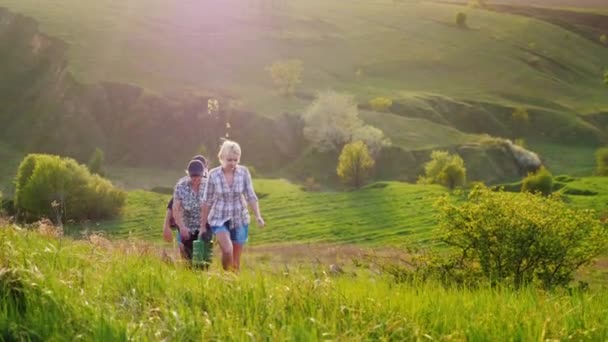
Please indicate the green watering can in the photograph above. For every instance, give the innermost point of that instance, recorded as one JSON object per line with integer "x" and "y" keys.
{"x": 202, "y": 252}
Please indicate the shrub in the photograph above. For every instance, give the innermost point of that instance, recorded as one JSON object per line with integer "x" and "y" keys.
{"x": 604, "y": 39}
{"x": 540, "y": 181}
{"x": 520, "y": 238}
{"x": 62, "y": 189}
{"x": 461, "y": 19}
{"x": 445, "y": 169}
{"x": 286, "y": 75}
{"x": 381, "y": 104}
{"x": 601, "y": 158}
{"x": 355, "y": 164}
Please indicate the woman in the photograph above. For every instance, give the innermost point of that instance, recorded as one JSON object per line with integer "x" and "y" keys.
{"x": 229, "y": 189}
{"x": 170, "y": 223}
{"x": 187, "y": 205}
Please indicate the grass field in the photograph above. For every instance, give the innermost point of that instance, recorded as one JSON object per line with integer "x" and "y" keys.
{"x": 58, "y": 289}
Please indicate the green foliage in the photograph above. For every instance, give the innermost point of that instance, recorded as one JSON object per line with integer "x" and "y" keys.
{"x": 520, "y": 119}
{"x": 286, "y": 75}
{"x": 461, "y": 19}
{"x": 478, "y": 3}
{"x": 521, "y": 238}
{"x": 381, "y": 104}
{"x": 96, "y": 162}
{"x": 606, "y": 77}
{"x": 601, "y": 161}
{"x": 604, "y": 39}
{"x": 61, "y": 189}
{"x": 445, "y": 169}
{"x": 355, "y": 164}
{"x": 540, "y": 181}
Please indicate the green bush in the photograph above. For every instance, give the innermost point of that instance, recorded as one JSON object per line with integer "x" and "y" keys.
{"x": 445, "y": 169}
{"x": 540, "y": 181}
{"x": 380, "y": 104}
{"x": 604, "y": 39}
{"x": 461, "y": 19}
{"x": 520, "y": 238}
{"x": 62, "y": 189}
{"x": 601, "y": 158}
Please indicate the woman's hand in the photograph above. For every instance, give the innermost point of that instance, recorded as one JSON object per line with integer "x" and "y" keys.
{"x": 260, "y": 221}
{"x": 185, "y": 233}
{"x": 167, "y": 234}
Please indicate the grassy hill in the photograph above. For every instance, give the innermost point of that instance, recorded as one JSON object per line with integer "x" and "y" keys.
{"x": 401, "y": 49}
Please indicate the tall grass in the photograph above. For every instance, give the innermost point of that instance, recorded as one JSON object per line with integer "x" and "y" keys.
{"x": 53, "y": 288}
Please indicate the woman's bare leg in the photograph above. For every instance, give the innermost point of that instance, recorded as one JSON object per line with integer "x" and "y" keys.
{"x": 223, "y": 238}
{"x": 238, "y": 250}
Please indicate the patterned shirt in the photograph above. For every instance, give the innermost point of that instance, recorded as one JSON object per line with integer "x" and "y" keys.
{"x": 229, "y": 203}
{"x": 190, "y": 201}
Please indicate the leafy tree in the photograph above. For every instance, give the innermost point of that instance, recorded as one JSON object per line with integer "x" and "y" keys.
{"x": 461, "y": 19}
{"x": 445, "y": 169}
{"x": 520, "y": 238}
{"x": 381, "y": 104}
{"x": 540, "y": 181}
{"x": 601, "y": 158}
{"x": 355, "y": 164}
{"x": 332, "y": 121}
{"x": 286, "y": 75}
{"x": 96, "y": 162}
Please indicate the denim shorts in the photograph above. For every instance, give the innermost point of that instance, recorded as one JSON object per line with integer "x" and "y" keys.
{"x": 238, "y": 235}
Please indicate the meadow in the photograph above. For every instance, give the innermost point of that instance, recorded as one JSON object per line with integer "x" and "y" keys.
{"x": 57, "y": 288}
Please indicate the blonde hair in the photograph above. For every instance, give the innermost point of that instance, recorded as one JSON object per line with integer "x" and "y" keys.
{"x": 229, "y": 147}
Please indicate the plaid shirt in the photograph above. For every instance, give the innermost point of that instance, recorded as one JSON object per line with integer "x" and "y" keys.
{"x": 229, "y": 203}
{"x": 190, "y": 201}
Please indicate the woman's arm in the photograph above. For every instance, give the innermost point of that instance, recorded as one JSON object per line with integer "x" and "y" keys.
{"x": 167, "y": 227}
{"x": 252, "y": 199}
{"x": 206, "y": 203}
{"x": 178, "y": 215}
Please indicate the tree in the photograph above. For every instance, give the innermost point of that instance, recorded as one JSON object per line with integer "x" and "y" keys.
{"x": 461, "y": 19}
{"x": 445, "y": 169}
{"x": 520, "y": 238}
{"x": 540, "y": 181}
{"x": 355, "y": 164}
{"x": 332, "y": 120}
{"x": 96, "y": 162}
{"x": 601, "y": 158}
{"x": 286, "y": 74}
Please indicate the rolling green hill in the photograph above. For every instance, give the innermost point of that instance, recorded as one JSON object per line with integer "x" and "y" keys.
{"x": 448, "y": 84}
